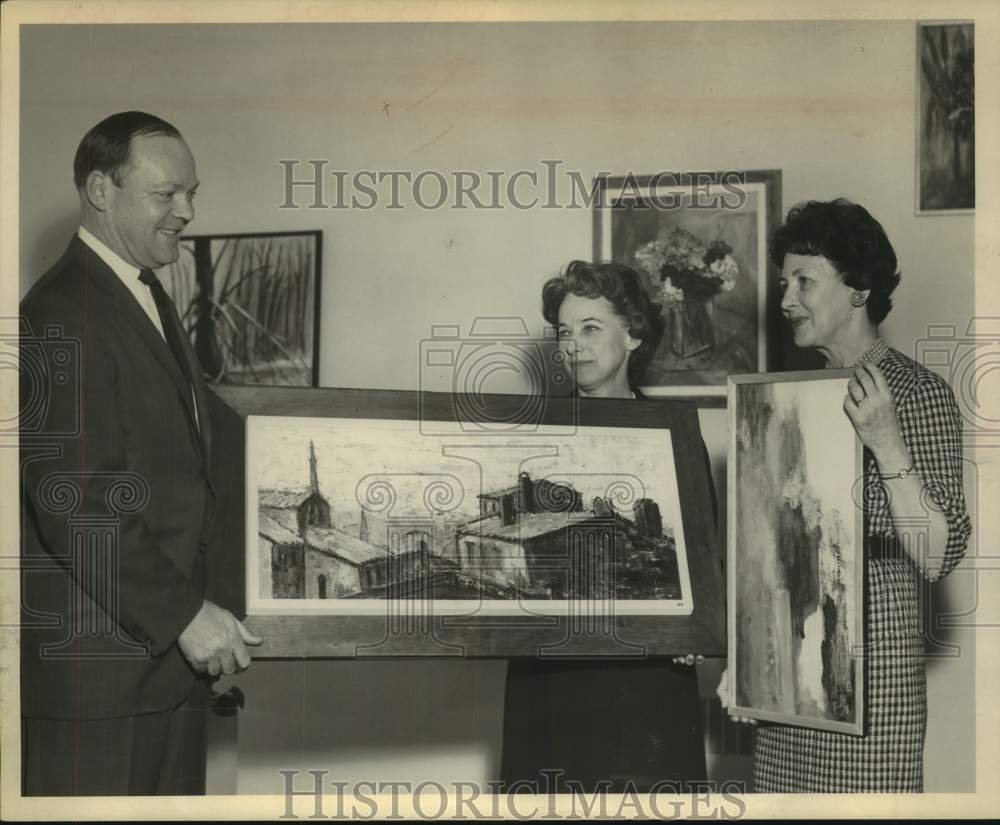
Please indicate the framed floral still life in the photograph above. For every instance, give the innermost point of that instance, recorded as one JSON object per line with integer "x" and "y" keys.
{"x": 699, "y": 241}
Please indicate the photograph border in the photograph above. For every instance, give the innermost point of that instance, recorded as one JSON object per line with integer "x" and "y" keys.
{"x": 980, "y": 802}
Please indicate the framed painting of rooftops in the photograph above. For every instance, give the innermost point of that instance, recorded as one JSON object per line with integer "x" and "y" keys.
{"x": 577, "y": 529}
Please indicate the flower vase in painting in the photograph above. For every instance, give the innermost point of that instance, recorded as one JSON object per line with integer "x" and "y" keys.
{"x": 692, "y": 326}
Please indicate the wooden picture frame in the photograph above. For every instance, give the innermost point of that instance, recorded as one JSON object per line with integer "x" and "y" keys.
{"x": 946, "y": 118}
{"x": 796, "y": 552}
{"x": 408, "y": 626}
{"x": 251, "y": 304}
{"x": 717, "y": 312}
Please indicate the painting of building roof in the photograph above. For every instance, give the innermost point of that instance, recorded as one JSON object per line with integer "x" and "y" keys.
{"x": 356, "y": 512}
{"x": 282, "y": 499}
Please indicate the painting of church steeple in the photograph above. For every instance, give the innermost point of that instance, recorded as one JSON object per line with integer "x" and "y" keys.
{"x": 313, "y": 473}
{"x": 310, "y": 506}
{"x": 315, "y": 509}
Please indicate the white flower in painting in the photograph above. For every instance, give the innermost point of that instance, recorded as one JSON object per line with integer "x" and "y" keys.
{"x": 725, "y": 270}
{"x": 651, "y": 257}
{"x": 670, "y": 295}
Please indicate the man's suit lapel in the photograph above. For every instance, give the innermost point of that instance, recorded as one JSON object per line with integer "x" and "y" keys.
{"x": 101, "y": 275}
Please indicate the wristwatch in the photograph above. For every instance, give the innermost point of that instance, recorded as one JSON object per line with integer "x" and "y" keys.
{"x": 901, "y": 474}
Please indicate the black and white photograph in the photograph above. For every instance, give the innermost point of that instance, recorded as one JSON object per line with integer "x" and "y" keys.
{"x": 498, "y": 409}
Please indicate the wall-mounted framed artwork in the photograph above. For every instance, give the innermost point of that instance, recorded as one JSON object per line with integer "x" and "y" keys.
{"x": 350, "y": 528}
{"x": 251, "y": 304}
{"x": 795, "y": 551}
{"x": 699, "y": 239}
{"x": 946, "y": 118}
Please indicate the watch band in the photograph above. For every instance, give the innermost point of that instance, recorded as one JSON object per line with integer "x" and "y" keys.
{"x": 901, "y": 474}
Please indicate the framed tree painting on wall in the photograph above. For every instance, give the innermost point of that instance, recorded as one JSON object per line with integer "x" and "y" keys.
{"x": 795, "y": 551}
{"x": 946, "y": 112}
{"x": 251, "y": 304}
{"x": 699, "y": 241}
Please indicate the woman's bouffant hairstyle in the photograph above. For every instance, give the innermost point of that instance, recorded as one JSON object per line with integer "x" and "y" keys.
{"x": 624, "y": 290}
{"x": 848, "y": 237}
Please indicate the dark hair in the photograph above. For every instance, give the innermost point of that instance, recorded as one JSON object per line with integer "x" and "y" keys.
{"x": 107, "y": 147}
{"x": 623, "y": 288}
{"x": 848, "y": 237}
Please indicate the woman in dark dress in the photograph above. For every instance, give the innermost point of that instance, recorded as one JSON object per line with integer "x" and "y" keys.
{"x": 607, "y": 724}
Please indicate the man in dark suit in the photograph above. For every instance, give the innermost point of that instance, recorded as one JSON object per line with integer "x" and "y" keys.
{"x": 117, "y": 498}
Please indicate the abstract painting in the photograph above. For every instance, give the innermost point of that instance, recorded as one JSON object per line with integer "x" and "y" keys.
{"x": 796, "y": 594}
{"x": 251, "y": 305}
{"x": 699, "y": 241}
{"x": 345, "y": 514}
{"x": 946, "y": 131}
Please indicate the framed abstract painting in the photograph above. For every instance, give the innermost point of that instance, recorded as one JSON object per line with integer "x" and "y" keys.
{"x": 795, "y": 551}
{"x": 946, "y": 112}
{"x": 251, "y": 304}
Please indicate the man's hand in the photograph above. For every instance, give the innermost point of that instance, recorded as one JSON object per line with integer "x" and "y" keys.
{"x": 215, "y": 641}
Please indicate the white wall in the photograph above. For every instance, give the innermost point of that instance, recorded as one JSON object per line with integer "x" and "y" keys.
{"x": 831, "y": 105}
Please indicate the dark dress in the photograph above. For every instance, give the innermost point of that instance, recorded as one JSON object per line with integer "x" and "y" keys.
{"x": 632, "y": 723}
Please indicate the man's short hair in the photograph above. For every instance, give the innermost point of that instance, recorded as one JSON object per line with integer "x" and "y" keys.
{"x": 107, "y": 147}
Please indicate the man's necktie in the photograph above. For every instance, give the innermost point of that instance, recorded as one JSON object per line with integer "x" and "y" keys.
{"x": 171, "y": 324}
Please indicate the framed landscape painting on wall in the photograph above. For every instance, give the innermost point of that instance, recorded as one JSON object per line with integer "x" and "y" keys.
{"x": 251, "y": 305}
{"x": 796, "y": 551}
{"x": 699, "y": 241}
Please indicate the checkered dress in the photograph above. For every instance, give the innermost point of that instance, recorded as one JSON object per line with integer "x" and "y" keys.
{"x": 889, "y": 758}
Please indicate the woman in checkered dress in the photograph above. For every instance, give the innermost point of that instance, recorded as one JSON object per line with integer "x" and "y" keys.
{"x": 838, "y": 270}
